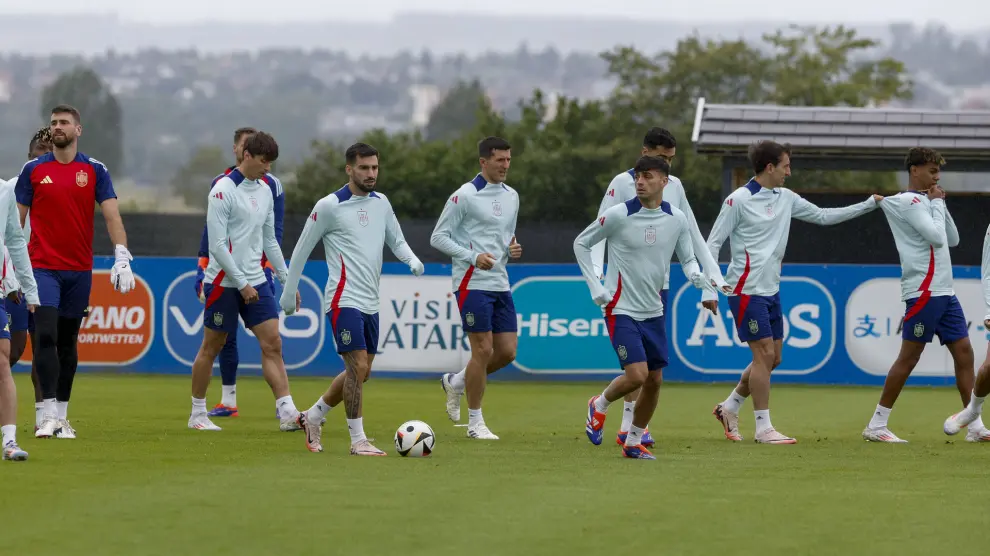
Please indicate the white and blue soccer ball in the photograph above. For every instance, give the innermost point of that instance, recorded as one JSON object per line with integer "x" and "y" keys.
{"x": 414, "y": 439}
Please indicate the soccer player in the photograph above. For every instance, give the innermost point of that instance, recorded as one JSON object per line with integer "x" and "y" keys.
{"x": 20, "y": 319}
{"x": 477, "y": 230}
{"x": 60, "y": 189}
{"x": 923, "y": 232}
{"x": 355, "y": 223}
{"x": 660, "y": 143}
{"x": 757, "y": 219}
{"x": 642, "y": 235}
{"x": 973, "y": 413}
{"x": 229, "y": 358}
{"x": 240, "y": 217}
{"x": 15, "y": 248}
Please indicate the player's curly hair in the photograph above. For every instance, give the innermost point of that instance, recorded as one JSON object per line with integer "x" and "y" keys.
{"x": 44, "y": 135}
{"x": 920, "y": 156}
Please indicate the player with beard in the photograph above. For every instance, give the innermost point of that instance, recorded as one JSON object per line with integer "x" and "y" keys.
{"x": 355, "y": 223}
{"x": 60, "y": 189}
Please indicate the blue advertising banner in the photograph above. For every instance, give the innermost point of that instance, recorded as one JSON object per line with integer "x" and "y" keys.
{"x": 841, "y": 326}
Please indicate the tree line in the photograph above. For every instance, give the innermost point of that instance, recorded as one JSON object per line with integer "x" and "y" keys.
{"x": 565, "y": 151}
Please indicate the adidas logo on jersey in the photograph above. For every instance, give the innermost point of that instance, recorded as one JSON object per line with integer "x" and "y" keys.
{"x": 218, "y": 195}
{"x": 47, "y": 179}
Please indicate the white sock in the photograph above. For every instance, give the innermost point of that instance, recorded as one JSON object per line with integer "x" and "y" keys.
{"x": 474, "y": 417}
{"x": 39, "y": 412}
{"x": 9, "y": 434}
{"x": 62, "y": 408}
{"x": 976, "y": 404}
{"x": 880, "y": 416}
{"x": 601, "y": 404}
{"x": 356, "y": 428}
{"x": 318, "y": 411}
{"x": 229, "y": 398}
{"x": 457, "y": 381}
{"x": 50, "y": 409}
{"x": 734, "y": 402}
{"x": 285, "y": 407}
{"x": 762, "y": 420}
{"x": 635, "y": 436}
{"x": 198, "y": 405}
{"x": 627, "y": 415}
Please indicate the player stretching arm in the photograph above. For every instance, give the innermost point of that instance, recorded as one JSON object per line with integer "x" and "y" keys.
{"x": 974, "y": 411}
{"x": 229, "y": 357}
{"x": 642, "y": 235}
{"x": 354, "y": 223}
{"x": 923, "y": 233}
{"x": 757, "y": 220}
{"x": 660, "y": 143}
{"x": 241, "y": 219}
{"x": 477, "y": 230}
{"x": 14, "y": 244}
{"x": 60, "y": 189}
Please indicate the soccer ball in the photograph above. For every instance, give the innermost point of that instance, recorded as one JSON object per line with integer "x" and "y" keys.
{"x": 414, "y": 439}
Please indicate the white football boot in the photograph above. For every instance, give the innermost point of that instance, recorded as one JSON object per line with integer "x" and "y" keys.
{"x": 881, "y": 434}
{"x": 200, "y": 421}
{"x": 481, "y": 432}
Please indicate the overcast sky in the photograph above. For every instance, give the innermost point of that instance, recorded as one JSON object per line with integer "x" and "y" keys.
{"x": 957, "y": 14}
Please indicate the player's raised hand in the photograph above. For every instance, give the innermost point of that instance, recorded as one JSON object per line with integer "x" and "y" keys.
{"x": 121, "y": 275}
{"x": 485, "y": 261}
{"x": 936, "y": 192}
{"x": 249, "y": 294}
{"x": 515, "y": 250}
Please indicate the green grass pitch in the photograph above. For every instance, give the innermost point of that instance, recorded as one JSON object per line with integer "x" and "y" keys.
{"x": 137, "y": 481}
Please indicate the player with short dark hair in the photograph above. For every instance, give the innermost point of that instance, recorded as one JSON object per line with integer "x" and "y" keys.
{"x": 660, "y": 143}
{"x": 477, "y": 230}
{"x": 642, "y": 235}
{"x": 923, "y": 232}
{"x": 241, "y": 220}
{"x": 21, "y": 320}
{"x": 353, "y": 248}
{"x": 59, "y": 189}
{"x": 229, "y": 357}
{"x": 757, "y": 220}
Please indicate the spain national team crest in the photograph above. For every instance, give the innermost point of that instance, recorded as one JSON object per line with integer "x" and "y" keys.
{"x": 623, "y": 352}
{"x": 769, "y": 210}
{"x": 469, "y": 318}
{"x": 254, "y": 204}
{"x": 754, "y": 326}
{"x": 919, "y": 330}
{"x": 217, "y": 319}
{"x": 345, "y": 337}
{"x": 363, "y": 217}
{"x": 82, "y": 178}
{"x": 651, "y": 235}
{"x": 496, "y": 208}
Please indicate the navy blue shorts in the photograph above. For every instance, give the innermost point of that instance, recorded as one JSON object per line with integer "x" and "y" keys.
{"x": 221, "y": 313}
{"x": 485, "y": 311}
{"x": 66, "y": 290}
{"x": 354, "y": 330}
{"x": 666, "y": 308}
{"x": 757, "y": 316}
{"x": 639, "y": 341}
{"x": 926, "y": 317}
{"x": 18, "y": 316}
{"x": 4, "y": 326}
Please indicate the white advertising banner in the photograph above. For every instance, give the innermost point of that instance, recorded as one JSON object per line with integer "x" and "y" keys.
{"x": 420, "y": 326}
{"x": 874, "y": 316}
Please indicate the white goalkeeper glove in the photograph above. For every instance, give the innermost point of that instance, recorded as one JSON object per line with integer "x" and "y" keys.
{"x": 121, "y": 276}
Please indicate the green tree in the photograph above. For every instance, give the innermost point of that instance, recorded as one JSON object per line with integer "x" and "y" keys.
{"x": 102, "y": 118}
{"x": 457, "y": 112}
{"x": 192, "y": 180}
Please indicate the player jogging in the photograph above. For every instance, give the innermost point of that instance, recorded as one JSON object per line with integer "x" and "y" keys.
{"x": 59, "y": 189}
{"x": 229, "y": 357}
{"x": 477, "y": 231}
{"x": 15, "y": 249}
{"x": 757, "y": 220}
{"x": 974, "y": 410}
{"x": 642, "y": 235}
{"x": 240, "y": 218}
{"x": 660, "y": 143}
{"x": 923, "y": 232}
{"x": 20, "y": 319}
{"x": 355, "y": 223}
